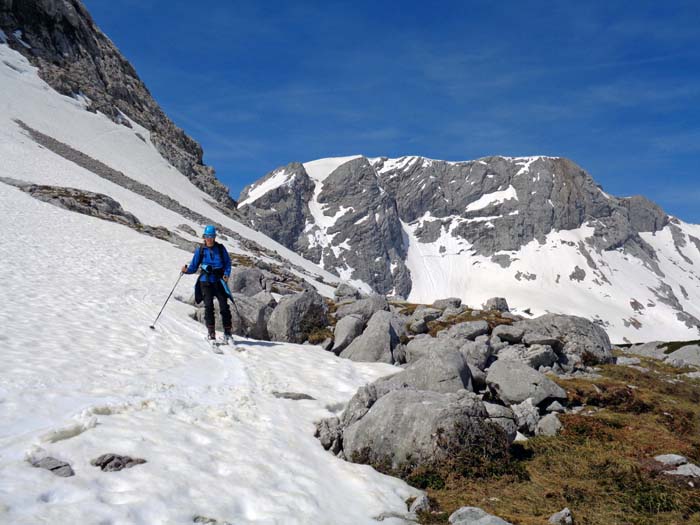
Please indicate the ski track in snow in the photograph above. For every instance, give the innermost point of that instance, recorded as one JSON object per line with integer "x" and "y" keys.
{"x": 83, "y": 375}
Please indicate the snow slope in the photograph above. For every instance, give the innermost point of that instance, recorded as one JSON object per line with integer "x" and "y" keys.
{"x": 25, "y": 97}
{"x": 82, "y": 374}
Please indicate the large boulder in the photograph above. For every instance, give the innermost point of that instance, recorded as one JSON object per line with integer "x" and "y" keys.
{"x": 514, "y": 382}
{"x": 422, "y": 345}
{"x": 468, "y": 330}
{"x": 249, "y": 317}
{"x": 509, "y": 333}
{"x": 407, "y": 429}
{"x": 346, "y": 331}
{"x": 450, "y": 302}
{"x": 578, "y": 341}
{"x": 534, "y": 356}
{"x": 365, "y": 308}
{"x": 497, "y": 303}
{"x": 296, "y": 316}
{"x": 684, "y": 356}
{"x": 439, "y": 371}
{"x": 477, "y": 354}
{"x": 247, "y": 281}
{"x": 345, "y": 292}
{"x": 377, "y": 342}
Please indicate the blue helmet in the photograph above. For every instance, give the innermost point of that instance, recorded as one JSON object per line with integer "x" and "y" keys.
{"x": 209, "y": 231}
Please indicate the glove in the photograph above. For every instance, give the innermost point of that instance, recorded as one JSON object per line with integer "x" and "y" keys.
{"x": 184, "y": 269}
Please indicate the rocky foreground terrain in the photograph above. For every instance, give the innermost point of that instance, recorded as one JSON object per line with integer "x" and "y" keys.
{"x": 481, "y": 394}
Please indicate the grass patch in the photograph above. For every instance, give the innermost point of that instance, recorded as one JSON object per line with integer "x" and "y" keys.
{"x": 492, "y": 317}
{"x": 672, "y": 346}
{"x": 599, "y": 464}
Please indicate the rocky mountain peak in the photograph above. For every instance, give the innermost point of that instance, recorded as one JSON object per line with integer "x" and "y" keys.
{"x": 77, "y": 59}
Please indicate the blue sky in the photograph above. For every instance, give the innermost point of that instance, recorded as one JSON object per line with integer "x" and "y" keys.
{"x": 615, "y": 86}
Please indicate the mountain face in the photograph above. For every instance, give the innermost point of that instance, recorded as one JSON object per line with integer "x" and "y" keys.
{"x": 537, "y": 230}
{"x": 78, "y": 60}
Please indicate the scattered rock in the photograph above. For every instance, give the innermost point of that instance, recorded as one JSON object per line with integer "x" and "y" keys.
{"x": 527, "y": 416}
{"x": 294, "y": 396}
{"x": 535, "y": 356}
{"x": 504, "y": 417}
{"x": 345, "y": 292}
{"x": 627, "y": 361}
{"x": 296, "y": 316}
{"x": 114, "y": 462}
{"x": 376, "y": 343}
{"x": 450, "y": 302}
{"x": 579, "y": 341}
{"x": 469, "y": 330}
{"x": 555, "y": 406}
{"x": 549, "y": 425}
{"x": 689, "y": 470}
{"x": 509, "y": 333}
{"x": 475, "y": 516}
{"x": 249, "y": 317}
{"x": 346, "y": 331}
{"x": 55, "y": 466}
{"x": 514, "y": 382}
{"x": 407, "y": 429}
{"x": 671, "y": 460}
{"x": 439, "y": 371}
{"x": 365, "y": 308}
{"x": 246, "y": 281}
{"x": 497, "y": 303}
{"x": 563, "y": 517}
{"x": 420, "y": 504}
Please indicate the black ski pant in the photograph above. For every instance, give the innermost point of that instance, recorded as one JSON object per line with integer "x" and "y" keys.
{"x": 209, "y": 291}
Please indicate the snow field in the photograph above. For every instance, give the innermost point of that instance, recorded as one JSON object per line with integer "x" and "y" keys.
{"x": 83, "y": 375}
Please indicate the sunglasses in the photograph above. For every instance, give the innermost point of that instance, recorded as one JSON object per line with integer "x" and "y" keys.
{"x": 209, "y": 236}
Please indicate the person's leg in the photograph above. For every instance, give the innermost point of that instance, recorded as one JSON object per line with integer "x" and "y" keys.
{"x": 209, "y": 291}
{"x": 224, "y": 308}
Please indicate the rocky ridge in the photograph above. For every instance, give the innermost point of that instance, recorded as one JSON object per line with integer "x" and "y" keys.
{"x": 78, "y": 60}
{"x": 385, "y": 224}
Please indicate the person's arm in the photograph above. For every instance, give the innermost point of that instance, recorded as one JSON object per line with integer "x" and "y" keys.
{"x": 194, "y": 264}
{"x": 227, "y": 264}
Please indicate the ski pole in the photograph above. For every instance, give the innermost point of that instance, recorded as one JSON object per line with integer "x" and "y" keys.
{"x": 230, "y": 296}
{"x": 153, "y": 326}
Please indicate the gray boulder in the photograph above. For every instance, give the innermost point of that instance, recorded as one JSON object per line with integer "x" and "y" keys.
{"x": 509, "y": 333}
{"x": 344, "y": 292}
{"x": 504, "y": 417}
{"x": 563, "y": 517}
{"x": 296, "y": 316}
{"x": 534, "y": 356}
{"x": 527, "y": 416}
{"x": 377, "y": 341}
{"x": 55, "y": 466}
{"x": 475, "y": 516}
{"x": 671, "y": 460}
{"x": 346, "y": 331}
{"x": 580, "y": 341}
{"x": 249, "y": 317}
{"x": 329, "y": 432}
{"x": 549, "y": 425}
{"x": 688, "y": 355}
{"x": 365, "y": 308}
{"x": 266, "y": 298}
{"x": 477, "y": 354}
{"x": 450, "y": 302}
{"x": 422, "y": 345}
{"x": 408, "y": 429}
{"x": 468, "y": 330}
{"x": 247, "y": 281}
{"x": 514, "y": 382}
{"x": 439, "y": 371}
{"x": 497, "y": 303}
{"x": 115, "y": 462}
{"x": 427, "y": 314}
{"x": 651, "y": 349}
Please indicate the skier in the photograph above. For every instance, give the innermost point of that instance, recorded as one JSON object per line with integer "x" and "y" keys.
{"x": 215, "y": 263}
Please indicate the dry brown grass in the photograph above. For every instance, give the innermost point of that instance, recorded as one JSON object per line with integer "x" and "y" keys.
{"x": 599, "y": 465}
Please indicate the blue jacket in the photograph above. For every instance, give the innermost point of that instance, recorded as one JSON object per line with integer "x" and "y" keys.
{"x": 210, "y": 256}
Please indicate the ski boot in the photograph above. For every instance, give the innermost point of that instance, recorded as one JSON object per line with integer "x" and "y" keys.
{"x": 228, "y": 336}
